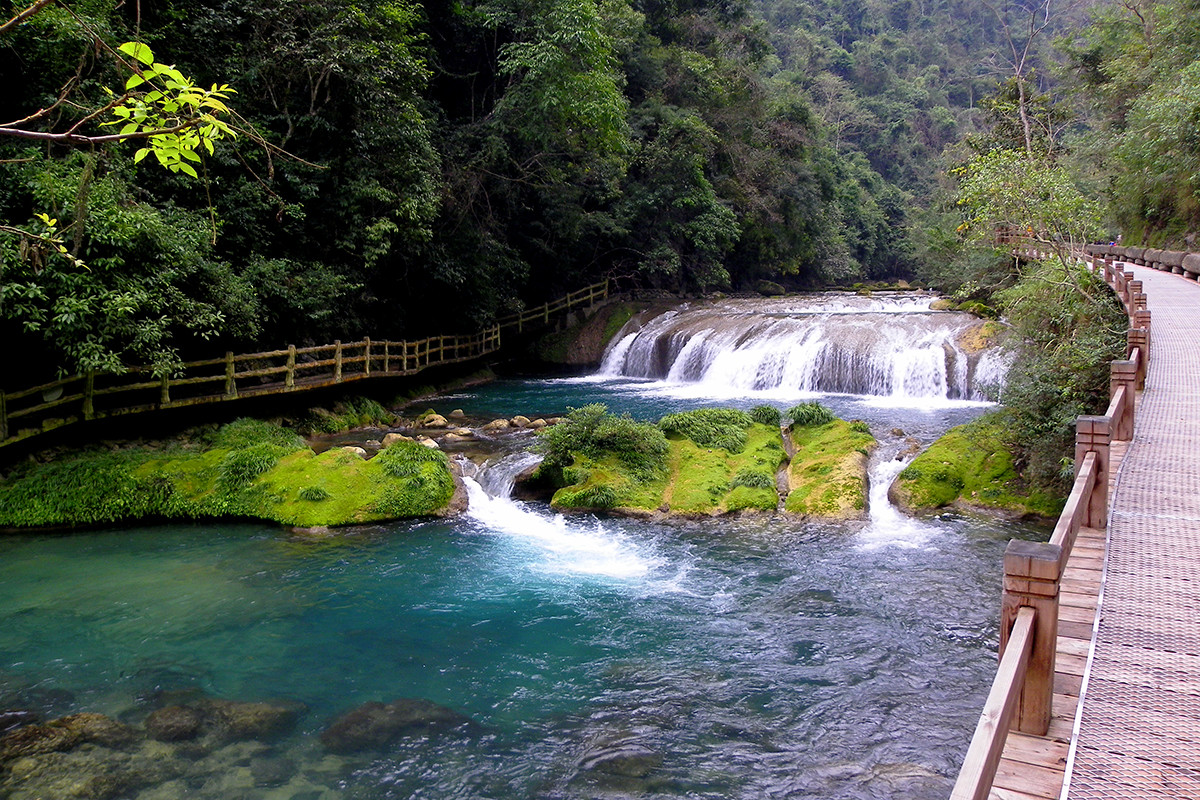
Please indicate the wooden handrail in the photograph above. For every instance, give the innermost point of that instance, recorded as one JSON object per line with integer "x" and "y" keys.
{"x": 290, "y": 369}
{"x": 1022, "y": 692}
{"x": 983, "y": 756}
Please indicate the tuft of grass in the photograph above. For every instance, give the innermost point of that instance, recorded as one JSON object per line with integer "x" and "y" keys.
{"x": 766, "y": 415}
{"x": 710, "y": 427}
{"x": 594, "y": 433}
{"x": 313, "y": 494}
{"x": 809, "y": 414}
{"x": 357, "y": 412}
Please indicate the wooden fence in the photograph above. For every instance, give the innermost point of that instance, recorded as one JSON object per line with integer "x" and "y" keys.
{"x": 39, "y": 409}
{"x": 1022, "y": 692}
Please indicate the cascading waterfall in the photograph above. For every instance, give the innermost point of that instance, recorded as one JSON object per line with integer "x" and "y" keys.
{"x": 581, "y": 545}
{"x": 892, "y": 346}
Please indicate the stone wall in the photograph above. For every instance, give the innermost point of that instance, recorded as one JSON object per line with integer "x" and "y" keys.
{"x": 1177, "y": 261}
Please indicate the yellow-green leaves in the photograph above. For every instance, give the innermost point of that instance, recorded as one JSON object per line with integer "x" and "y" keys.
{"x": 174, "y": 115}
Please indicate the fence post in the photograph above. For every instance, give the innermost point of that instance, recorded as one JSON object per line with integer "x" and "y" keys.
{"x": 165, "y": 392}
{"x": 1123, "y": 374}
{"x": 385, "y": 355}
{"x": 367, "y": 356}
{"x": 289, "y": 377}
{"x": 337, "y": 360}
{"x": 1092, "y": 435}
{"x": 1031, "y": 578}
{"x": 89, "y": 392}
{"x": 3, "y": 418}
{"x": 230, "y": 382}
{"x": 1136, "y": 339}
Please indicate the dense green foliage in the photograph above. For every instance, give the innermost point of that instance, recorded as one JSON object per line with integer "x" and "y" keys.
{"x": 766, "y": 415}
{"x": 809, "y": 414}
{"x": 710, "y": 427}
{"x": 973, "y": 465}
{"x": 593, "y": 432}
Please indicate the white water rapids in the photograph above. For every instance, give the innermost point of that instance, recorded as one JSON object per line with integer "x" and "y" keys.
{"x": 891, "y": 346}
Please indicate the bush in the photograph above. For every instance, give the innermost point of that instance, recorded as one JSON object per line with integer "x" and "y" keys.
{"x": 766, "y": 415}
{"x": 858, "y": 426}
{"x": 753, "y": 479}
{"x": 809, "y": 415}
{"x": 357, "y": 412}
{"x": 404, "y": 459}
{"x": 710, "y": 427}
{"x": 243, "y": 433}
{"x": 313, "y": 494}
{"x": 589, "y": 497}
{"x": 240, "y": 467}
{"x": 593, "y": 432}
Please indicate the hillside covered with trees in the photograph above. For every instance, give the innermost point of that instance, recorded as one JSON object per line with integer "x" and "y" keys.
{"x": 398, "y": 168}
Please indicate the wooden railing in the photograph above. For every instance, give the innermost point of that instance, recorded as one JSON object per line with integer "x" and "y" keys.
{"x": 588, "y": 296}
{"x": 29, "y": 412}
{"x": 1023, "y": 690}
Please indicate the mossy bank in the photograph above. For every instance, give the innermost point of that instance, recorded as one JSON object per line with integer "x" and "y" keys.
{"x": 971, "y": 466}
{"x": 246, "y": 469}
{"x": 706, "y": 463}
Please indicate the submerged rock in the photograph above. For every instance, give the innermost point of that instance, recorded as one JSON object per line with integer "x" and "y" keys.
{"x": 64, "y": 734}
{"x": 373, "y": 725}
{"x": 11, "y": 720}
{"x": 625, "y": 759}
{"x": 174, "y": 723}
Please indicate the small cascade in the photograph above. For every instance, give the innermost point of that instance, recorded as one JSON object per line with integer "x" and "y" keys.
{"x": 886, "y": 526}
{"x": 581, "y": 545}
{"x": 841, "y": 344}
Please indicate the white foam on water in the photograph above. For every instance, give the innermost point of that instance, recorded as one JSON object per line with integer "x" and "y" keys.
{"x": 887, "y": 527}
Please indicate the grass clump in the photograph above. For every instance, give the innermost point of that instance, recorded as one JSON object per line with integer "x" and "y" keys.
{"x": 710, "y": 427}
{"x": 766, "y": 415}
{"x": 753, "y": 479}
{"x": 809, "y": 414}
{"x": 313, "y": 494}
{"x": 828, "y": 473}
{"x": 594, "y": 433}
{"x": 357, "y": 412}
{"x": 972, "y": 465}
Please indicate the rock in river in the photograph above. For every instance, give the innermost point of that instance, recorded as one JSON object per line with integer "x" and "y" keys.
{"x": 372, "y": 725}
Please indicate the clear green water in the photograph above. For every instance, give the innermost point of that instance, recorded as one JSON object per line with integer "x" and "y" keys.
{"x": 750, "y": 659}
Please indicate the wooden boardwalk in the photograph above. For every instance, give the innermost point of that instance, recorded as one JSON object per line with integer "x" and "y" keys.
{"x": 1126, "y": 705}
{"x": 1138, "y": 731}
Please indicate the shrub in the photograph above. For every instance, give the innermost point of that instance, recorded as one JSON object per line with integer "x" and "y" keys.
{"x": 809, "y": 414}
{"x": 753, "y": 479}
{"x": 589, "y": 497}
{"x": 240, "y": 467}
{"x": 766, "y": 415}
{"x": 858, "y": 426}
{"x": 313, "y": 494}
{"x": 404, "y": 459}
{"x": 243, "y": 433}
{"x": 710, "y": 427}
{"x": 593, "y": 432}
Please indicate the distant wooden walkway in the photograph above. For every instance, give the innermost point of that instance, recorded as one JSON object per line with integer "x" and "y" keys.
{"x": 1139, "y": 725}
{"x": 29, "y": 412}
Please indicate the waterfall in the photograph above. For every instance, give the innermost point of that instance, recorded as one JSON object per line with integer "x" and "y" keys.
{"x": 891, "y": 346}
{"x": 579, "y": 545}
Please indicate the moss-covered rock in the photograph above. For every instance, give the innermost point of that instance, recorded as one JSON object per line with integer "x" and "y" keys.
{"x": 827, "y": 476}
{"x": 246, "y": 469}
{"x": 970, "y": 466}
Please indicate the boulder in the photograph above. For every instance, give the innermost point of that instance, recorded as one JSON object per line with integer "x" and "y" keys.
{"x": 1173, "y": 258}
{"x": 269, "y": 771}
{"x": 174, "y": 723}
{"x": 373, "y": 725}
{"x": 462, "y": 432}
{"x": 425, "y": 441}
{"x": 358, "y": 451}
{"x": 11, "y": 720}
{"x": 626, "y": 759}
{"x": 497, "y": 425}
{"x": 537, "y": 424}
{"x": 1191, "y": 263}
{"x": 391, "y": 438}
{"x": 64, "y": 734}
{"x": 434, "y": 421}
{"x": 520, "y": 421}
{"x": 453, "y": 438}
{"x": 457, "y": 414}
{"x": 236, "y": 720}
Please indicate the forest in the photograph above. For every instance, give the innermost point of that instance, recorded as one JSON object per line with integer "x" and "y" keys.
{"x": 397, "y": 168}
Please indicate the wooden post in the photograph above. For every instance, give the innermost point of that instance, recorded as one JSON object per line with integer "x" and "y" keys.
{"x": 1128, "y": 292}
{"x": 1123, "y": 374}
{"x": 367, "y": 356}
{"x": 546, "y": 314}
{"x": 1092, "y": 435}
{"x": 165, "y": 393}
{"x": 337, "y": 360}
{"x": 89, "y": 393}
{"x": 1138, "y": 339}
{"x": 385, "y": 355}
{"x": 3, "y": 418}
{"x": 1031, "y": 579}
{"x": 289, "y": 377}
{"x": 230, "y": 381}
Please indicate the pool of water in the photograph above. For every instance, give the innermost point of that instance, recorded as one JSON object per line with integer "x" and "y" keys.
{"x": 595, "y": 657}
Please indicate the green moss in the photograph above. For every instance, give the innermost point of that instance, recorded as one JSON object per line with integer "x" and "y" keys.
{"x": 828, "y": 473}
{"x": 697, "y": 479}
{"x": 972, "y": 465}
{"x": 621, "y": 313}
{"x": 272, "y": 477}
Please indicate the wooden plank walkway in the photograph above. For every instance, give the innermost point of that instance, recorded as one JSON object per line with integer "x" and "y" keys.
{"x": 1138, "y": 730}
{"x": 1035, "y": 766}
